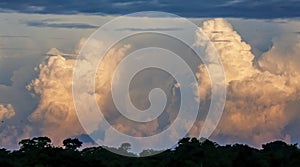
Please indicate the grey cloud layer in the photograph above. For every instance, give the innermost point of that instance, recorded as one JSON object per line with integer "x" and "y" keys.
{"x": 195, "y": 8}
{"x": 45, "y": 23}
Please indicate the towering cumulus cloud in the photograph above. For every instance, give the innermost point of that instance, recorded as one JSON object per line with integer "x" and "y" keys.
{"x": 55, "y": 114}
{"x": 262, "y": 93}
{"x": 258, "y": 97}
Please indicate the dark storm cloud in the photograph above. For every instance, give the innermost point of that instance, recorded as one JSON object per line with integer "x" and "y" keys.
{"x": 196, "y": 8}
{"x": 44, "y": 23}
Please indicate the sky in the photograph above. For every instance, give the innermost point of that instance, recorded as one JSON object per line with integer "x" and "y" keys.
{"x": 200, "y": 8}
{"x": 258, "y": 43}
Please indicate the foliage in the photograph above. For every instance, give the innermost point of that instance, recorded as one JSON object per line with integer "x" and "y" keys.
{"x": 39, "y": 152}
{"x": 72, "y": 144}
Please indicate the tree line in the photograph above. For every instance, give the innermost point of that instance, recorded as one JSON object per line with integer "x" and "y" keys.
{"x": 191, "y": 152}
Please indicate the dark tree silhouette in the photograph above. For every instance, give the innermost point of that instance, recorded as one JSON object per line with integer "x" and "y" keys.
{"x": 125, "y": 147}
{"x": 72, "y": 144}
{"x": 35, "y": 143}
{"x": 39, "y": 152}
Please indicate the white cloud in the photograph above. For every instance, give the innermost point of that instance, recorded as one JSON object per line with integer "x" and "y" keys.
{"x": 257, "y": 98}
{"x": 55, "y": 113}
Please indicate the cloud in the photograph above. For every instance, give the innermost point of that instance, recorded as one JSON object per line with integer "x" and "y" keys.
{"x": 55, "y": 113}
{"x": 14, "y": 36}
{"x": 149, "y": 29}
{"x": 15, "y": 101}
{"x": 45, "y": 23}
{"x": 284, "y": 52}
{"x": 219, "y": 8}
{"x": 10, "y": 135}
{"x": 259, "y": 92}
{"x": 6, "y": 112}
